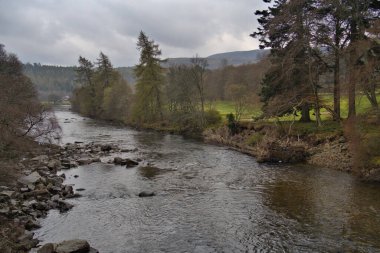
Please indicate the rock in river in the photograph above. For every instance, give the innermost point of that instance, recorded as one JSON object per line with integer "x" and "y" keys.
{"x": 69, "y": 246}
{"x": 146, "y": 194}
{"x": 73, "y": 246}
{"x": 125, "y": 161}
{"x": 47, "y": 248}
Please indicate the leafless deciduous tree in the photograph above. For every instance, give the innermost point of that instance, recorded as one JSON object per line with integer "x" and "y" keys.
{"x": 21, "y": 116}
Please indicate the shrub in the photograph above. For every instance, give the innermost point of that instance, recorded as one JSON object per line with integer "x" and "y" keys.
{"x": 212, "y": 117}
{"x": 232, "y": 124}
{"x": 254, "y": 139}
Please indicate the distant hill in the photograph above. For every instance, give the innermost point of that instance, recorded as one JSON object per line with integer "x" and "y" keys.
{"x": 51, "y": 80}
{"x": 215, "y": 61}
{"x": 59, "y": 80}
{"x": 127, "y": 74}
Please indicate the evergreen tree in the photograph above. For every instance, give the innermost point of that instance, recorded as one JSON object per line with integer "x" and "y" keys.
{"x": 150, "y": 79}
{"x": 102, "y": 93}
{"x": 291, "y": 82}
{"x": 104, "y": 70}
{"x": 85, "y": 78}
{"x": 362, "y": 15}
{"x": 333, "y": 32}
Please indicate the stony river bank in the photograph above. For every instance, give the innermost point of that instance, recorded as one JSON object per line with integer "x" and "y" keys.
{"x": 329, "y": 151}
{"x": 41, "y": 188}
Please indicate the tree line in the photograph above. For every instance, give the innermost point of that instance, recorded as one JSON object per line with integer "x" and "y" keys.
{"x": 310, "y": 38}
{"x": 180, "y": 96}
{"x": 53, "y": 83}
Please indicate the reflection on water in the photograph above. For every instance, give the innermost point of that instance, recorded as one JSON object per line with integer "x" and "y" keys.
{"x": 292, "y": 199}
{"x": 209, "y": 199}
{"x": 151, "y": 172}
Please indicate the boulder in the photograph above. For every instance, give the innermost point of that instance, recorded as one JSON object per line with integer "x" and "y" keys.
{"x": 54, "y": 164}
{"x": 96, "y": 160}
{"x": 124, "y": 161}
{"x": 106, "y": 147}
{"x": 5, "y": 195}
{"x": 26, "y": 236}
{"x": 4, "y": 210}
{"x": 54, "y": 189}
{"x": 128, "y": 150}
{"x": 41, "y": 158}
{"x": 31, "y": 187}
{"x": 69, "y": 165}
{"x": 36, "y": 193}
{"x": 84, "y": 161}
{"x": 56, "y": 181}
{"x": 68, "y": 190}
{"x": 130, "y": 163}
{"x": 118, "y": 161}
{"x": 47, "y": 248}
{"x": 55, "y": 197}
{"x": 73, "y": 246}
{"x": 64, "y": 206}
{"x": 73, "y": 196}
{"x": 30, "y": 179}
{"x": 31, "y": 224}
{"x": 41, "y": 206}
{"x": 144, "y": 194}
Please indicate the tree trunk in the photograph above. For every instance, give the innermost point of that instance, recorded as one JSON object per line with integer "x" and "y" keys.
{"x": 305, "y": 113}
{"x": 371, "y": 95}
{"x": 337, "y": 87}
{"x": 351, "y": 95}
{"x": 357, "y": 33}
{"x": 203, "y": 110}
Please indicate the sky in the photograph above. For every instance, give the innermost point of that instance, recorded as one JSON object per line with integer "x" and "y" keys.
{"x": 58, "y": 31}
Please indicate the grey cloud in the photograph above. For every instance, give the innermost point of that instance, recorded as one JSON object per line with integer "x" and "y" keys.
{"x": 57, "y": 32}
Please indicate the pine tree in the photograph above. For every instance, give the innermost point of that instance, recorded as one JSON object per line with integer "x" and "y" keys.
{"x": 291, "y": 82}
{"x": 150, "y": 79}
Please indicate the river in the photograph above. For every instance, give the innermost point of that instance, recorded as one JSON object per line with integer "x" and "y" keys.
{"x": 209, "y": 199}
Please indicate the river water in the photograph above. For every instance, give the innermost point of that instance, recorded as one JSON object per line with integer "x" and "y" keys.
{"x": 209, "y": 199}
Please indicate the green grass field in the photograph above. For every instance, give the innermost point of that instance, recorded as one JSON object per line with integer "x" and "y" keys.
{"x": 362, "y": 106}
{"x": 370, "y": 132}
{"x": 226, "y": 107}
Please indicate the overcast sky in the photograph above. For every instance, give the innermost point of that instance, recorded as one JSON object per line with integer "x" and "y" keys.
{"x": 58, "y": 31}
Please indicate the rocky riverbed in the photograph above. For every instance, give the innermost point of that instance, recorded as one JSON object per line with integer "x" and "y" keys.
{"x": 40, "y": 188}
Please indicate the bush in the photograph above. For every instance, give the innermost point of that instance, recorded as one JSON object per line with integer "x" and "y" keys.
{"x": 232, "y": 124}
{"x": 254, "y": 139}
{"x": 212, "y": 117}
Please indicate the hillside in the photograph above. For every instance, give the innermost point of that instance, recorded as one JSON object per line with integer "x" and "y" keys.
{"x": 51, "y": 80}
{"x": 60, "y": 80}
{"x": 216, "y": 61}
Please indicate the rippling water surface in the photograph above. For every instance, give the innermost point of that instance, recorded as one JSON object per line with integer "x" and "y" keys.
{"x": 209, "y": 199}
